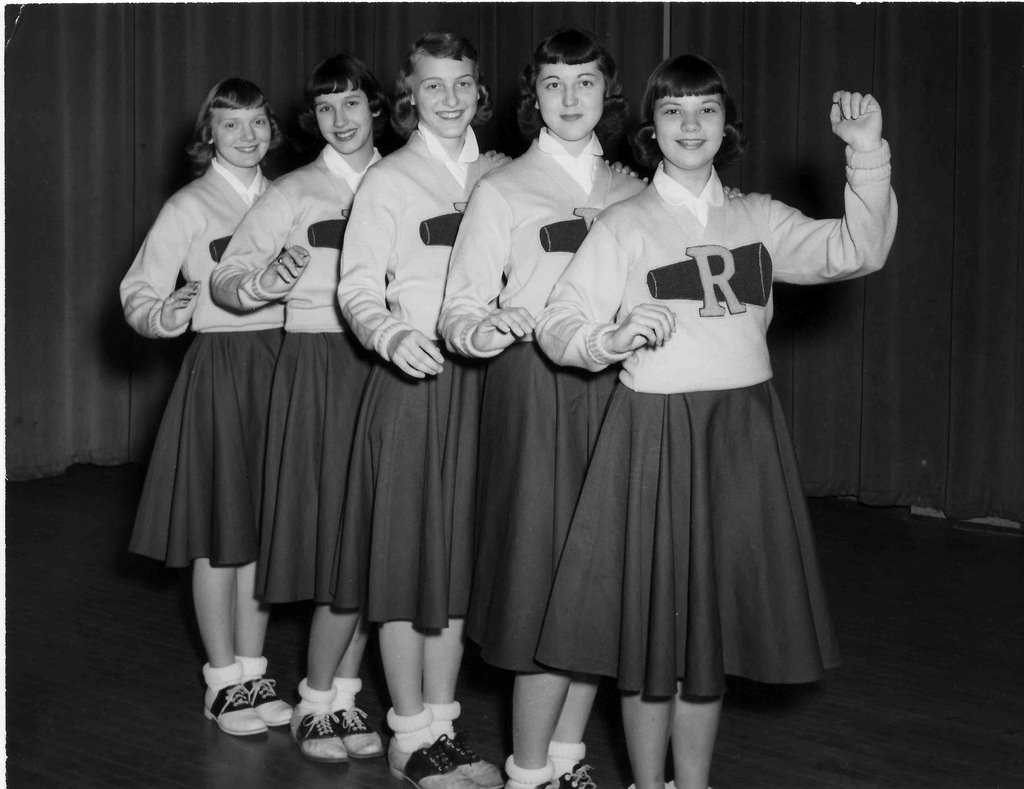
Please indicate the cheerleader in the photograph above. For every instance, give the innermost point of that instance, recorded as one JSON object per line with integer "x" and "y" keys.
{"x": 539, "y": 421}
{"x": 200, "y": 504}
{"x": 690, "y": 555}
{"x": 321, "y": 373}
{"x": 410, "y": 505}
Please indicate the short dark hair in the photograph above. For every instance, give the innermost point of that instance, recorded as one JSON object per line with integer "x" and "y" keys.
{"x": 337, "y": 74}
{"x": 444, "y": 45}
{"x": 572, "y": 47}
{"x": 687, "y": 75}
{"x": 233, "y": 93}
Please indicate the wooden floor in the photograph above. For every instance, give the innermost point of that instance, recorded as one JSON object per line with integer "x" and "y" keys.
{"x": 103, "y": 686}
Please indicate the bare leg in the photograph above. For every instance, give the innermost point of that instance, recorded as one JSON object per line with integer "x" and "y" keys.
{"x": 537, "y": 702}
{"x": 401, "y": 652}
{"x": 330, "y": 635}
{"x": 251, "y": 616}
{"x": 352, "y": 659}
{"x": 442, "y": 659}
{"x": 579, "y": 701}
{"x": 694, "y": 727}
{"x": 647, "y": 722}
{"x": 213, "y": 595}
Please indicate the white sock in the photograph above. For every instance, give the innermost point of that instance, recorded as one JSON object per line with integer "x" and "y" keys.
{"x": 252, "y": 667}
{"x": 222, "y": 676}
{"x": 313, "y": 700}
{"x": 527, "y": 778}
{"x": 412, "y": 732}
{"x": 444, "y": 718}
{"x": 345, "y": 690}
{"x": 566, "y": 755}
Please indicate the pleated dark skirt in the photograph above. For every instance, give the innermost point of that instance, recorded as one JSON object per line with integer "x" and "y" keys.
{"x": 691, "y": 554}
{"x": 408, "y": 535}
{"x": 538, "y": 426}
{"x": 317, "y": 389}
{"x": 201, "y": 497}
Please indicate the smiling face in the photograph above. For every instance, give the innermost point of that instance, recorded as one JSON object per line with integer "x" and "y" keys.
{"x": 445, "y": 94}
{"x": 241, "y": 138}
{"x": 571, "y": 101}
{"x": 346, "y": 123}
{"x": 689, "y": 131}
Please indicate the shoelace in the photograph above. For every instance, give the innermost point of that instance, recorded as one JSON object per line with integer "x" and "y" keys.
{"x": 353, "y": 720}
{"x": 262, "y": 689}
{"x": 322, "y": 722}
{"x": 580, "y": 779}
{"x": 438, "y": 759}
{"x": 459, "y": 747}
{"x": 237, "y": 696}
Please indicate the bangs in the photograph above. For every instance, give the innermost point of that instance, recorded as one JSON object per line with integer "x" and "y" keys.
{"x": 688, "y": 75}
{"x": 572, "y": 47}
{"x": 340, "y": 74}
{"x": 237, "y": 94}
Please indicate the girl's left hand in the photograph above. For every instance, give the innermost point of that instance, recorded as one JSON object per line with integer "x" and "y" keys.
{"x": 284, "y": 271}
{"x": 857, "y": 120}
{"x": 732, "y": 192}
{"x": 497, "y": 157}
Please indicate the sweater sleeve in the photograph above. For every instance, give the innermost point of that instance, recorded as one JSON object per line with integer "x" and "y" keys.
{"x": 584, "y": 303}
{"x": 371, "y": 241}
{"x": 259, "y": 237}
{"x": 811, "y": 251}
{"x": 154, "y": 272}
{"x": 479, "y": 259}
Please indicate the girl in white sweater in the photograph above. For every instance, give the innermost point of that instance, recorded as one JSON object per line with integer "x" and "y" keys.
{"x": 201, "y": 501}
{"x": 690, "y": 555}
{"x": 410, "y": 505}
{"x": 318, "y": 384}
{"x": 538, "y": 421}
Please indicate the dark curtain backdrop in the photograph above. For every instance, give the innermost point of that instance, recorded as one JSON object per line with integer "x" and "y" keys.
{"x": 904, "y": 388}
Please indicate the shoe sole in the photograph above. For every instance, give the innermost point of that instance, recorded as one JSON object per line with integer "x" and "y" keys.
{"x": 210, "y": 717}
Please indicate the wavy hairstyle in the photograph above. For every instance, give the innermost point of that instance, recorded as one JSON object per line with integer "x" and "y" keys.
{"x": 338, "y": 74}
{"x": 687, "y": 75}
{"x": 444, "y": 45}
{"x": 233, "y": 93}
{"x": 572, "y": 47}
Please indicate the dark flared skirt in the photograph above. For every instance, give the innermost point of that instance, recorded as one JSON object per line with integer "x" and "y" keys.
{"x": 691, "y": 553}
{"x": 201, "y": 498}
{"x": 408, "y": 530}
{"x": 318, "y": 387}
{"x": 538, "y": 426}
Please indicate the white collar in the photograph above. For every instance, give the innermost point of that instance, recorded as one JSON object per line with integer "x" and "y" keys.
{"x": 338, "y": 165}
{"x": 470, "y": 150}
{"x": 674, "y": 193}
{"x": 247, "y": 193}
{"x": 580, "y": 167}
{"x": 548, "y": 144}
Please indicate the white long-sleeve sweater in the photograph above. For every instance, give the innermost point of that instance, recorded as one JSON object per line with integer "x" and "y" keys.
{"x": 523, "y": 224}
{"x": 195, "y": 221}
{"x": 717, "y": 279}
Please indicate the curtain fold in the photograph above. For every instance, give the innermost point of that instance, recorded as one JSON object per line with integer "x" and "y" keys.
{"x": 902, "y": 388}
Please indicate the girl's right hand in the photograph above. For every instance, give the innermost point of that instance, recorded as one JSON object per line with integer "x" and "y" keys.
{"x": 647, "y": 324}
{"x": 414, "y": 354}
{"x": 502, "y": 328}
{"x": 177, "y": 309}
{"x": 281, "y": 275}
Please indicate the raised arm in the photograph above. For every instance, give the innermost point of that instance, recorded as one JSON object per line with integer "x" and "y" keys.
{"x": 814, "y": 251}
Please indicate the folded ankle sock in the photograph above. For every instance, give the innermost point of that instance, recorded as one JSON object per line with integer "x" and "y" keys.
{"x": 566, "y": 755}
{"x": 313, "y": 700}
{"x": 525, "y": 777}
{"x": 444, "y": 716}
{"x": 345, "y": 690}
{"x": 412, "y": 732}
{"x": 252, "y": 667}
